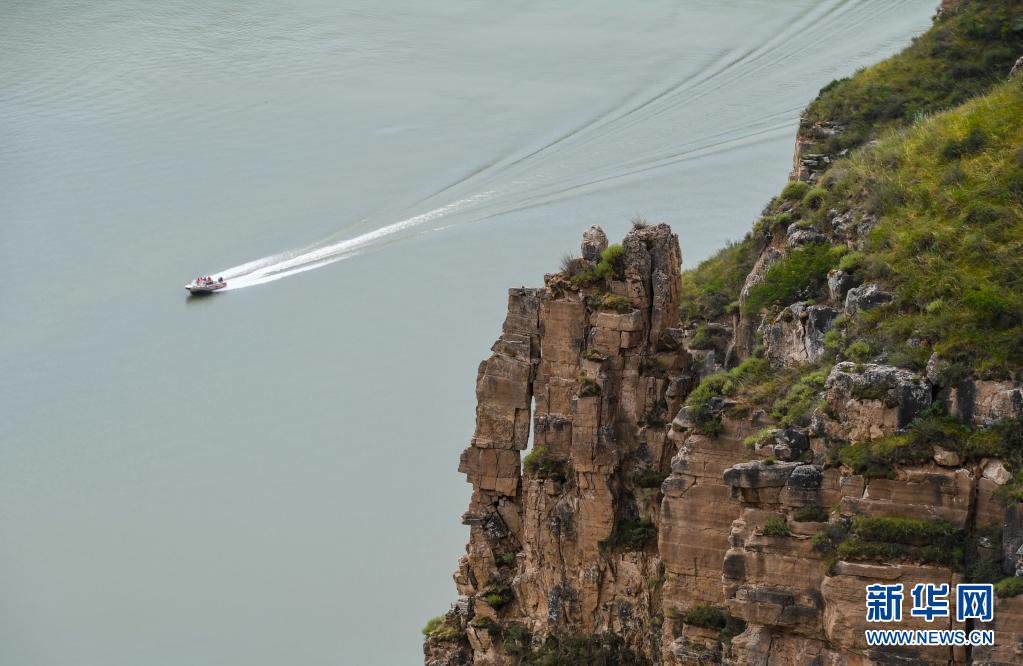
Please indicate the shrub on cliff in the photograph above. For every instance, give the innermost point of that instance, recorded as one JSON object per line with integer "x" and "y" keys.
{"x": 612, "y": 262}
{"x": 543, "y": 464}
{"x": 1009, "y": 587}
{"x": 498, "y": 595}
{"x": 881, "y": 538}
{"x": 801, "y": 400}
{"x": 706, "y": 616}
{"x": 794, "y": 191}
{"x": 776, "y": 526}
{"x": 798, "y": 275}
{"x": 810, "y": 514}
{"x": 707, "y": 290}
{"x": 630, "y": 534}
{"x": 443, "y": 628}
{"x": 588, "y": 387}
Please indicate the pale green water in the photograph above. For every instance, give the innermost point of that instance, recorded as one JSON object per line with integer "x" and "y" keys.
{"x": 267, "y": 476}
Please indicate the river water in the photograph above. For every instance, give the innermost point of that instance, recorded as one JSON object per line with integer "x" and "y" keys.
{"x": 267, "y": 476}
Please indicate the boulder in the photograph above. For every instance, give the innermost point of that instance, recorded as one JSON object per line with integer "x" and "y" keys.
{"x": 946, "y": 458}
{"x": 790, "y": 443}
{"x": 994, "y": 470}
{"x": 839, "y": 284}
{"x": 797, "y": 237}
{"x": 796, "y": 336}
{"x": 865, "y": 297}
{"x": 594, "y": 243}
{"x": 871, "y": 401}
{"x": 982, "y": 403}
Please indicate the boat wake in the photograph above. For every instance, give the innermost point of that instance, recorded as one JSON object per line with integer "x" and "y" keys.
{"x": 284, "y": 265}
{"x": 623, "y": 142}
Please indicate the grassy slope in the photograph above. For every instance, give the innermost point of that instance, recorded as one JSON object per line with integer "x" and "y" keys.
{"x": 964, "y": 53}
{"x": 949, "y": 193}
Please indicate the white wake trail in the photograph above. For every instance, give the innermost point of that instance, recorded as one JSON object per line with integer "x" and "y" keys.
{"x": 275, "y": 267}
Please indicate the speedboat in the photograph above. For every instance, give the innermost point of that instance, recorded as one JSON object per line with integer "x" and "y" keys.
{"x": 205, "y": 285}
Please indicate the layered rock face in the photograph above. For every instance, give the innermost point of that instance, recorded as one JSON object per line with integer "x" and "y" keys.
{"x": 631, "y": 523}
{"x": 568, "y": 547}
{"x": 724, "y": 490}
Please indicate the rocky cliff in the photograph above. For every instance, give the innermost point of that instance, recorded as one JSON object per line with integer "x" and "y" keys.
{"x": 719, "y": 461}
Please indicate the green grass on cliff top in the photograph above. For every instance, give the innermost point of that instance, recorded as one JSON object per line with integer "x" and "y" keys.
{"x": 965, "y": 52}
{"x": 962, "y": 55}
{"x": 949, "y": 194}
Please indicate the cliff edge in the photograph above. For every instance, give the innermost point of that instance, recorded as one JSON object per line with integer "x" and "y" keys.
{"x": 721, "y": 460}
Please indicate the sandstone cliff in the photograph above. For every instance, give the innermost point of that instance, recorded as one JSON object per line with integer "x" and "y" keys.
{"x": 720, "y": 461}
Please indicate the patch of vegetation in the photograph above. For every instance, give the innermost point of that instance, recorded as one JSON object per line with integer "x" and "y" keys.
{"x": 630, "y": 534}
{"x": 572, "y": 266}
{"x": 594, "y": 355}
{"x": 706, "y": 616}
{"x": 951, "y": 254}
{"x": 505, "y": 560}
{"x": 1009, "y": 587}
{"x": 649, "y": 478}
{"x": 760, "y": 437}
{"x": 852, "y": 262}
{"x": 858, "y": 351}
{"x": 710, "y": 336}
{"x": 656, "y": 416}
{"x": 810, "y": 514}
{"x": 708, "y": 290}
{"x": 801, "y": 400}
{"x": 619, "y": 304}
{"x": 443, "y": 628}
{"x": 914, "y": 446}
{"x": 516, "y": 639}
{"x": 485, "y": 623}
{"x": 795, "y": 190}
{"x": 612, "y": 263}
{"x": 958, "y": 148}
{"x": 815, "y": 198}
{"x": 727, "y": 383}
{"x": 588, "y": 387}
{"x": 544, "y": 464}
{"x": 881, "y": 538}
{"x": 828, "y": 539}
{"x": 776, "y": 526}
{"x": 965, "y": 52}
{"x": 498, "y": 596}
{"x": 800, "y": 274}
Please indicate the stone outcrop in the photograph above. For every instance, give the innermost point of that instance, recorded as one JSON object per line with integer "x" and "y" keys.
{"x": 796, "y": 336}
{"x": 811, "y": 159}
{"x": 724, "y": 530}
{"x": 865, "y": 297}
{"x": 984, "y": 403}
{"x": 628, "y": 521}
{"x": 871, "y": 401}
{"x": 599, "y": 387}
